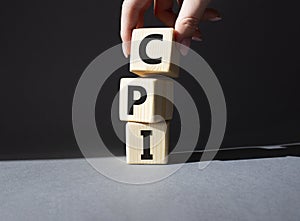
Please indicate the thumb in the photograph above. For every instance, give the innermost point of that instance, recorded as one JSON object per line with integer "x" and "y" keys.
{"x": 188, "y": 21}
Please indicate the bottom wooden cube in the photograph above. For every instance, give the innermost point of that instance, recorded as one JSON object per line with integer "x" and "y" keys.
{"x": 147, "y": 143}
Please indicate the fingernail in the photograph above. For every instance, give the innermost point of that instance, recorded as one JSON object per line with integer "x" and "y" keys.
{"x": 197, "y": 39}
{"x": 125, "y": 49}
{"x": 215, "y": 19}
{"x": 185, "y": 46}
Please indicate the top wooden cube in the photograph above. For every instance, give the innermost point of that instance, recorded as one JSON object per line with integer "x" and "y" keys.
{"x": 153, "y": 52}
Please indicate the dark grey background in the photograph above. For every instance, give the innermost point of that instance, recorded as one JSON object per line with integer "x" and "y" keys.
{"x": 46, "y": 45}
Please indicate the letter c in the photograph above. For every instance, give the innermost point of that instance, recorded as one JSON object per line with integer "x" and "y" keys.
{"x": 142, "y": 49}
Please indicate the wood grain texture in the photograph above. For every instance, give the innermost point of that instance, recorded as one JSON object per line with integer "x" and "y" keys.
{"x": 163, "y": 49}
{"x": 136, "y": 143}
{"x": 155, "y": 108}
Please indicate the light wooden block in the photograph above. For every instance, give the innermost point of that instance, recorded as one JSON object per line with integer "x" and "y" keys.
{"x": 152, "y": 52}
{"x": 147, "y": 143}
{"x": 151, "y": 108}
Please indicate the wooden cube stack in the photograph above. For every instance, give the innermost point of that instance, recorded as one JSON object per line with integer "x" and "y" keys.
{"x": 143, "y": 104}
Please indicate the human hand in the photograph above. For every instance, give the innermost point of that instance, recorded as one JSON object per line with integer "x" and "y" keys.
{"x": 186, "y": 24}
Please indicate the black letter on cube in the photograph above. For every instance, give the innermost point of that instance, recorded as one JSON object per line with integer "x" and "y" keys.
{"x": 131, "y": 101}
{"x": 142, "y": 49}
{"x": 146, "y": 145}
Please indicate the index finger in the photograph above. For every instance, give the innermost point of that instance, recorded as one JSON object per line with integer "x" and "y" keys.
{"x": 130, "y": 18}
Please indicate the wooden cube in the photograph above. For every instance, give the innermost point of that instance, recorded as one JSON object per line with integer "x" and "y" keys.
{"x": 147, "y": 143}
{"x": 143, "y": 99}
{"x": 152, "y": 52}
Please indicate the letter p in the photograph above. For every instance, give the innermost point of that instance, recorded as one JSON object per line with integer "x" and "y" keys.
{"x": 132, "y": 101}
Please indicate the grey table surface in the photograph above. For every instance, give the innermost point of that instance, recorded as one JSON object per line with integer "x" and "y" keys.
{"x": 70, "y": 189}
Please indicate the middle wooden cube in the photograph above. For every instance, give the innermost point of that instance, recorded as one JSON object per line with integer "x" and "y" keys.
{"x": 146, "y": 100}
